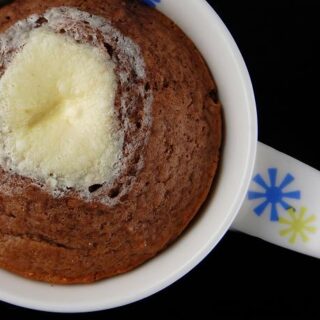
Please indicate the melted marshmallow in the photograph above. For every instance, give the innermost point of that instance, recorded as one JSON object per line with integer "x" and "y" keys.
{"x": 57, "y": 112}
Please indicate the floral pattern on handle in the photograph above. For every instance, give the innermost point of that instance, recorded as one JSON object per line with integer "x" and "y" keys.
{"x": 151, "y": 3}
{"x": 297, "y": 225}
{"x": 273, "y": 194}
{"x": 292, "y": 188}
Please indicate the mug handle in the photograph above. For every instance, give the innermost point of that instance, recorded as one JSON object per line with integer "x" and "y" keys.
{"x": 282, "y": 205}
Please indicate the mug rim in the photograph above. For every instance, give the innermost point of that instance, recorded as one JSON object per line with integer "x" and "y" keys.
{"x": 185, "y": 261}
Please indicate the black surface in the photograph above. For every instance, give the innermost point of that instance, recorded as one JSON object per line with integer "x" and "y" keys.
{"x": 243, "y": 275}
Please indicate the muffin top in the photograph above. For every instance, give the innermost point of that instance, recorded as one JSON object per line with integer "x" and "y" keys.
{"x": 156, "y": 131}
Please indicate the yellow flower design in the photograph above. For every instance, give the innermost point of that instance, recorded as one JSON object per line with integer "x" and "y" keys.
{"x": 297, "y": 225}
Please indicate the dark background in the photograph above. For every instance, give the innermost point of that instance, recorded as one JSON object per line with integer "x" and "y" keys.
{"x": 244, "y": 276}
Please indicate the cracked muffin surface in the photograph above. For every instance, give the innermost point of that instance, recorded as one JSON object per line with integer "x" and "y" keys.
{"x": 168, "y": 111}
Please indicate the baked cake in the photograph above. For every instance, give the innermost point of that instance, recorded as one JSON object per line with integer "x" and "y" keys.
{"x": 109, "y": 138}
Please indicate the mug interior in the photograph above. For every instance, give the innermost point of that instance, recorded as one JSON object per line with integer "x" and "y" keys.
{"x": 239, "y": 147}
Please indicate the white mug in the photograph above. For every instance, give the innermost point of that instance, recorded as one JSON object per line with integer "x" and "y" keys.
{"x": 258, "y": 190}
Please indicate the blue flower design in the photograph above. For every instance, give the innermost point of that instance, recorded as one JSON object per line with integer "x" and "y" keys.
{"x": 273, "y": 194}
{"x": 151, "y": 3}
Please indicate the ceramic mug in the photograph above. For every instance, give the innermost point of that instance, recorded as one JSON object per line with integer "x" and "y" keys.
{"x": 258, "y": 190}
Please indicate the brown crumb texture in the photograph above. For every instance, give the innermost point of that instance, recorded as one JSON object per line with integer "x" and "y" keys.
{"x": 71, "y": 240}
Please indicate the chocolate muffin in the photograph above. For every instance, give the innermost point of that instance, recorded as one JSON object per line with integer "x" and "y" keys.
{"x": 109, "y": 139}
